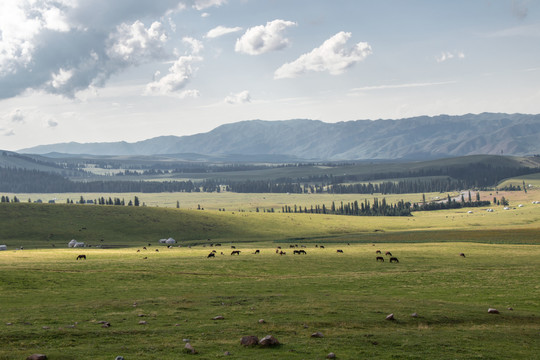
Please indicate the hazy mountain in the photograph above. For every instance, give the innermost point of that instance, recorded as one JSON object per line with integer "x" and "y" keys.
{"x": 412, "y": 138}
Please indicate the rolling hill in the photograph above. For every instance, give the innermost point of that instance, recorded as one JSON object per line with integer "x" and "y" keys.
{"x": 417, "y": 138}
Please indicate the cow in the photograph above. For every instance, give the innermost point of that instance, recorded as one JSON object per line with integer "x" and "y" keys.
{"x": 81, "y": 257}
{"x": 394, "y": 259}
{"x": 388, "y": 253}
{"x": 211, "y": 255}
{"x": 235, "y": 252}
{"x": 340, "y": 251}
{"x": 380, "y": 258}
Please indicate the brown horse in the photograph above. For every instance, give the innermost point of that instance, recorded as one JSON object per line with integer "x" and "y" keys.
{"x": 81, "y": 257}
{"x": 380, "y": 258}
{"x": 235, "y": 252}
{"x": 394, "y": 259}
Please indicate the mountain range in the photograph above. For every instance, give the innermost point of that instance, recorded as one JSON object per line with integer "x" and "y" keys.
{"x": 415, "y": 138}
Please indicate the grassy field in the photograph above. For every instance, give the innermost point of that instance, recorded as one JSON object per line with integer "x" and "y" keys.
{"x": 52, "y": 303}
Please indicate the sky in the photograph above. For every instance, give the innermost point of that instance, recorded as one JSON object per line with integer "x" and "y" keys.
{"x": 130, "y": 70}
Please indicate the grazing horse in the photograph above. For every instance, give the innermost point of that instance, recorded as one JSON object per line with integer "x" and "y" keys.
{"x": 237, "y": 252}
{"x": 380, "y": 258}
{"x": 462, "y": 254}
{"x": 81, "y": 257}
{"x": 378, "y": 252}
{"x": 340, "y": 251}
{"x": 282, "y": 253}
{"x": 211, "y": 255}
{"x": 394, "y": 259}
{"x": 322, "y": 246}
{"x": 388, "y": 253}
{"x": 257, "y": 251}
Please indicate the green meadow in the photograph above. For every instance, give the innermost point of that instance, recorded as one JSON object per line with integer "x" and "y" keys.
{"x": 53, "y": 304}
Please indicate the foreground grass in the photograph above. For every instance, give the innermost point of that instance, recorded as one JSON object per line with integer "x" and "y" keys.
{"x": 53, "y": 304}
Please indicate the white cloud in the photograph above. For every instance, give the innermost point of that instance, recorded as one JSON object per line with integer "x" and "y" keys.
{"x": 44, "y": 41}
{"x": 205, "y": 4}
{"x": 261, "y": 39}
{"x": 180, "y": 74}
{"x": 190, "y": 94}
{"x": 61, "y": 78}
{"x": 447, "y": 55}
{"x": 196, "y": 45}
{"x": 132, "y": 42}
{"x": 239, "y": 98}
{"x": 332, "y": 56}
{"x": 221, "y": 30}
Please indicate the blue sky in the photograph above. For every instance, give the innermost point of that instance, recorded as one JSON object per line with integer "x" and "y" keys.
{"x": 100, "y": 70}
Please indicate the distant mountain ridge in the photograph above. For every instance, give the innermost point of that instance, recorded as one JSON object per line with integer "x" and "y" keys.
{"x": 421, "y": 137}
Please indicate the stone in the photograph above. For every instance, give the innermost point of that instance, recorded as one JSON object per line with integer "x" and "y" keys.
{"x": 414, "y": 315}
{"x": 189, "y": 349}
{"x": 142, "y": 322}
{"x": 261, "y": 321}
{"x": 226, "y": 353}
{"x": 185, "y": 340}
{"x": 510, "y": 308}
{"x": 37, "y": 357}
{"x": 249, "y": 340}
{"x": 269, "y": 340}
{"x": 317, "y": 334}
{"x": 219, "y": 317}
{"x": 390, "y": 317}
{"x": 119, "y": 358}
{"x": 493, "y": 311}
{"x": 331, "y": 356}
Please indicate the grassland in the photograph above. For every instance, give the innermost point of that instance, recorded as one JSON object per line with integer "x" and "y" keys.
{"x": 53, "y": 304}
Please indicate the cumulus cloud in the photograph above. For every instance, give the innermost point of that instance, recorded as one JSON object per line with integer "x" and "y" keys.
{"x": 221, "y": 30}
{"x": 65, "y": 46}
{"x": 179, "y": 75}
{"x": 332, "y": 56}
{"x": 264, "y": 38}
{"x": 205, "y": 4}
{"x": 239, "y": 98}
{"x": 447, "y": 55}
{"x": 133, "y": 43}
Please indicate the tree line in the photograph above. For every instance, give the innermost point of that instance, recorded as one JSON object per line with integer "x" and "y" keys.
{"x": 447, "y": 179}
